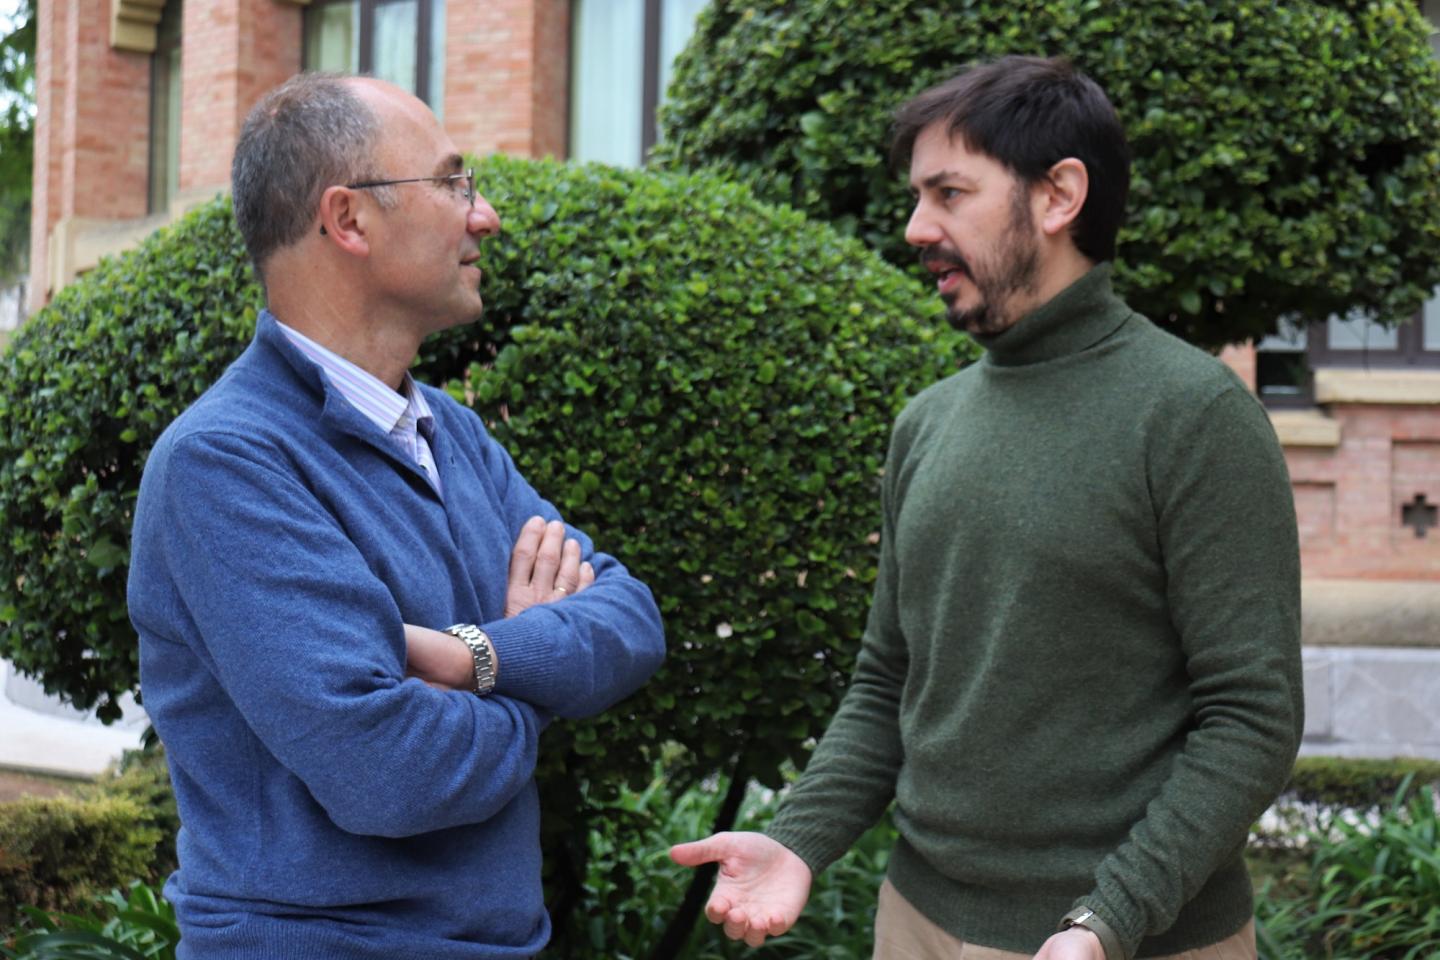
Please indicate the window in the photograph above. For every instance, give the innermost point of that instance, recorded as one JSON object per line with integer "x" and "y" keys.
{"x": 402, "y": 41}
{"x": 621, "y": 56}
{"x": 1284, "y": 363}
{"x": 165, "y": 110}
{"x": 1282, "y": 376}
{"x": 1358, "y": 341}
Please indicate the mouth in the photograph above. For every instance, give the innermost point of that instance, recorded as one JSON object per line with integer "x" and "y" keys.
{"x": 472, "y": 262}
{"x": 948, "y": 269}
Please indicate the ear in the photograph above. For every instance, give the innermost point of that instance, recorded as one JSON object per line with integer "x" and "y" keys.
{"x": 1063, "y": 194}
{"x": 344, "y": 220}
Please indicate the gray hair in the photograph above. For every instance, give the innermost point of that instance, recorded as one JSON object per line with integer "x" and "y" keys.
{"x": 306, "y": 135}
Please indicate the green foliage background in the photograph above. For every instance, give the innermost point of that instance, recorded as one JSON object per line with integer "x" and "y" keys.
{"x": 1285, "y": 153}
{"x": 702, "y": 381}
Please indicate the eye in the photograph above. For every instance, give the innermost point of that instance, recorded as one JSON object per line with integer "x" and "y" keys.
{"x": 950, "y": 193}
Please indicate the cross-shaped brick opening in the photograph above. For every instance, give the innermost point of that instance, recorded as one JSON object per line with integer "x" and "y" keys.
{"x": 1419, "y": 514}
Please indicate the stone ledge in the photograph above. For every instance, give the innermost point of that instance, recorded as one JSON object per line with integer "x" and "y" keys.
{"x": 1372, "y": 702}
{"x": 1305, "y": 428}
{"x": 1370, "y": 613}
{"x": 1339, "y": 385}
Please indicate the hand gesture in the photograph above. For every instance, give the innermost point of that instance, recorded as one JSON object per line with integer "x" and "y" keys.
{"x": 544, "y": 567}
{"x": 761, "y": 888}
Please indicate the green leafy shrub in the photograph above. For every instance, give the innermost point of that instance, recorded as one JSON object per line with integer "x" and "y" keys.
{"x": 703, "y": 381}
{"x": 1374, "y": 891}
{"x": 57, "y": 853}
{"x": 629, "y": 857}
{"x": 1285, "y": 153}
{"x": 134, "y": 925}
{"x": 88, "y": 384}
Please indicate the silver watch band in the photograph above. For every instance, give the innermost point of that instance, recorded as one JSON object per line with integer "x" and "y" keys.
{"x": 482, "y": 651}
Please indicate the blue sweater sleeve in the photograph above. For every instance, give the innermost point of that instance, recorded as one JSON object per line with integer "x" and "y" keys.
{"x": 309, "y": 644}
{"x": 578, "y": 656}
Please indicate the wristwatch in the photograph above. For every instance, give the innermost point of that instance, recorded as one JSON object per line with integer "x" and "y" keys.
{"x": 1083, "y": 916}
{"x": 482, "y": 651}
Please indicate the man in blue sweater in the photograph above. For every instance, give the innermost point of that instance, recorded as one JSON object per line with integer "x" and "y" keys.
{"x": 355, "y": 616}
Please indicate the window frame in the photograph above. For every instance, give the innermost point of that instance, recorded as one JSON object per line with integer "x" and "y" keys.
{"x": 652, "y": 38}
{"x": 1409, "y": 349}
{"x": 365, "y": 63}
{"x": 169, "y": 43}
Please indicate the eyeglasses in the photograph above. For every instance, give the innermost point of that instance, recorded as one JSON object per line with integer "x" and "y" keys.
{"x": 468, "y": 178}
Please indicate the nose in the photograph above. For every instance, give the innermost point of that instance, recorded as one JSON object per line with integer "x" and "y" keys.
{"x": 483, "y": 220}
{"x": 922, "y": 230}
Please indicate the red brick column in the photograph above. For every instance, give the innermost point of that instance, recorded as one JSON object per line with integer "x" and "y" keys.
{"x": 91, "y": 128}
{"x": 1240, "y": 357}
{"x": 234, "y": 51}
{"x": 507, "y": 75}
{"x": 50, "y": 68}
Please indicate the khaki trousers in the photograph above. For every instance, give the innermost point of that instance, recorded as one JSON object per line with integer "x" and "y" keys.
{"x": 903, "y": 933}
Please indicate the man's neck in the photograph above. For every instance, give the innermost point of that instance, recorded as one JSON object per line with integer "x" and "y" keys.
{"x": 383, "y": 350}
{"x": 1067, "y": 266}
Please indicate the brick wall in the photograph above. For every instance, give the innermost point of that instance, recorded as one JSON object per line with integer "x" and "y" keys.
{"x": 91, "y": 100}
{"x": 105, "y": 167}
{"x": 234, "y": 51}
{"x": 1349, "y": 499}
{"x": 507, "y": 76}
{"x": 50, "y": 71}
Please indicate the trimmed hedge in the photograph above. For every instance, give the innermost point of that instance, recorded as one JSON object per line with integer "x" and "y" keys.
{"x": 701, "y": 380}
{"x": 1356, "y": 783}
{"x": 58, "y": 853}
{"x": 1285, "y": 153}
{"x": 86, "y": 386}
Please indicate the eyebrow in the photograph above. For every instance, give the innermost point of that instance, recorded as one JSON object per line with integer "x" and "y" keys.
{"x": 451, "y": 164}
{"x": 935, "y": 179}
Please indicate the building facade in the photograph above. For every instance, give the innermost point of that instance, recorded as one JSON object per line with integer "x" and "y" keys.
{"x": 140, "y": 103}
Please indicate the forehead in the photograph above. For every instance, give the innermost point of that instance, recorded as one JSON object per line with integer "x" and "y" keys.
{"x": 939, "y": 154}
{"x": 409, "y": 132}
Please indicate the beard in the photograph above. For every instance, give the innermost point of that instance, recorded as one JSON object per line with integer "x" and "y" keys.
{"x": 1011, "y": 270}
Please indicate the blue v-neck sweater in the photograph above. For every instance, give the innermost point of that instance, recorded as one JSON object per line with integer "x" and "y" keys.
{"x": 331, "y": 807}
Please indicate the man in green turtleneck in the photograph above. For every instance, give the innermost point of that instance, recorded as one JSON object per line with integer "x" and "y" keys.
{"x": 1080, "y": 679}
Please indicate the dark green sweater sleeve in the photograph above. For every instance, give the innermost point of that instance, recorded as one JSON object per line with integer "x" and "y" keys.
{"x": 850, "y": 778}
{"x": 1226, "y": 521}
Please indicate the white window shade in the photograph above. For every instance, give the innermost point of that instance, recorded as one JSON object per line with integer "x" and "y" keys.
{"x": 607, "y": 80}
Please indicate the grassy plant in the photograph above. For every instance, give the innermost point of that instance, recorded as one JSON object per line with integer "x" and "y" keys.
{"x": 1379, "y": 886}
{"x": 1373, "y": 891}
{"x": 136, "y": 924}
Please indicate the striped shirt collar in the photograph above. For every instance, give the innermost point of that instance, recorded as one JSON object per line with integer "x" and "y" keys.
{"x": 366, "y": 392}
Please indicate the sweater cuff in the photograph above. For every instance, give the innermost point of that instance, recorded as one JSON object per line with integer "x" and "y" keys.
{"x": 814, "y": 848}
{"x": 1119, "y": 932}
{"x": 526, "y": 668}
{"x": 1109, "y": 939}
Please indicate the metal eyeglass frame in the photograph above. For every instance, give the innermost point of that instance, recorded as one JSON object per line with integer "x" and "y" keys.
{"x": 468, "y": 176}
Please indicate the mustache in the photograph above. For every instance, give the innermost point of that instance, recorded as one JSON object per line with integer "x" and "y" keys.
{"x": 942, "y": 258}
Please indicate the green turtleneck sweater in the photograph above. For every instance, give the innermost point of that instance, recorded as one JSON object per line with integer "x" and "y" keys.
{"x": 1080, "y": 679}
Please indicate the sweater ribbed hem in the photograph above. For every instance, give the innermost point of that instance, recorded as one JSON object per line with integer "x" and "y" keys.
{"x": 264, "y": 938}
{"x": 1022, "y": 919}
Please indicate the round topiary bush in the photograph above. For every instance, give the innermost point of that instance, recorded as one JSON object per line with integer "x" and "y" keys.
{"x": 702, "y": 381}
{"x": 1285, "y": 153}
{"x": 86, "y": 386}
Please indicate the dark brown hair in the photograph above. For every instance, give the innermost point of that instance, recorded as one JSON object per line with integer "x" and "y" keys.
{"x": 1029, "y": 113}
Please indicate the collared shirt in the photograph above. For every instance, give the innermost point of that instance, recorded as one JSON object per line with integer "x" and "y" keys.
{"x": 406, "y": 420}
